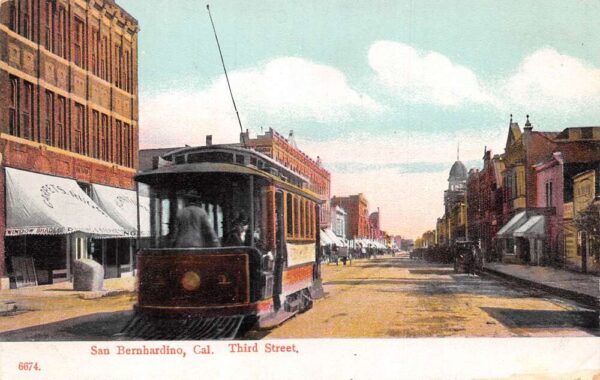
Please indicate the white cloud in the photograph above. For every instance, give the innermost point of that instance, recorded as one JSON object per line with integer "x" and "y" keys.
{"x": 424, "y": 77}
{"x": 283, "y": 90}
{"x": 548, "y": 81}
{"x": 406, "y": 147}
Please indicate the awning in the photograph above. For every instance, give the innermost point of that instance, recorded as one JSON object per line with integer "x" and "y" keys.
{"x": 38, "y": 204}
{"x": 334, "y": 238}
{"x": 325, "y": 239}
{"x": 516, "y": 222}
{"x": 121, "y": 205}
{"x": 533, "y": 228}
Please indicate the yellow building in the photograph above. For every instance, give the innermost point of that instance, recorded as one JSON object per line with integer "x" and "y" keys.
{"x": 581, "y": 253}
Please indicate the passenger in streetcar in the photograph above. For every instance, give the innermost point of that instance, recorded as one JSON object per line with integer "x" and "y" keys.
{"x": 193, "y": 228}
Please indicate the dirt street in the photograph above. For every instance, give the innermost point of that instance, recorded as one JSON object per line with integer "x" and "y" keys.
{"x": 389, "y": 297}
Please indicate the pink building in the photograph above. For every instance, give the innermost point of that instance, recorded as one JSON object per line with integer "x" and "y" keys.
{"x": 550, "y": 195}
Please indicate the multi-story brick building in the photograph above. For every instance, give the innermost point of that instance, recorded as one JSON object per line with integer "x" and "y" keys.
{"x": 376, "y": 232}
{"x": 357, "y": 207}
{"x": 274, "y": 145}
{"x": 484, "y": 202}
{"x": 68, "y": 109}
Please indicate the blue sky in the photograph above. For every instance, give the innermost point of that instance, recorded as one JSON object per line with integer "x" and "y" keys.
{"x": 383, "y": 91}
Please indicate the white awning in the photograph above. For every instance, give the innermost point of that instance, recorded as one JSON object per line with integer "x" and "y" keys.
{"x": 38, "y": 204}
{"x": 516, "y": 222}
{"x": 325, "y": 239}
{"x": 334, "y": 238}
{"x": 121, "y": 205}
{"x": 533, "y": 228}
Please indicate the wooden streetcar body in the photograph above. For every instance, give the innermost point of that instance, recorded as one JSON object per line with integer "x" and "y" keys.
{"x": 270, "y": 278}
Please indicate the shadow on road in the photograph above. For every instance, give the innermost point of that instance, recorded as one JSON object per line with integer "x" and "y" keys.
{"x": 516, "y": 318}
{"x": 99, "y": 326}
{"x": 400, "y": 263}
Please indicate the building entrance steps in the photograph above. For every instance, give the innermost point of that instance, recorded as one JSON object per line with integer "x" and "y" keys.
{"x": 584, "y": 288}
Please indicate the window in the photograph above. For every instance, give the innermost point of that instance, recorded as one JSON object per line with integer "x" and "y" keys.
{"x": 14, "y": 16}
{"x": 118, "y": 60}
{"x": 94, "y": 52}
{"x": 78, "y": 43}
{"x": 61, "y": 33}
{"x": 302, "y": 218}
{"x": 96, "y": 134}
{"x": 549, "y": 194}
{"x": 79, "y": 126}
{"x": 49, "y": 37}
{"x": 103, "y": 58}
{"x": 27, "y": 113}
{"x": 26, "y": 18}
{"x": 290, "y": 215}
{"x": 119, "y": 142}
{"x": 61, "y": 117}
{"x": 13, "y": 107}
{"x": 49, "y": 127}
{"x": 105, "y": 141}
{"x": 297, "y": 217}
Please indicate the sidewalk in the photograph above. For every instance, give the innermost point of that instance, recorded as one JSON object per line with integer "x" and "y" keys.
{"x": 584, "y": 288}
{"x": 112, "y": 286}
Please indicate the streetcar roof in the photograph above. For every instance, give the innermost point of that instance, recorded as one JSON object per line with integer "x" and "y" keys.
{"x": 178, "y": 162}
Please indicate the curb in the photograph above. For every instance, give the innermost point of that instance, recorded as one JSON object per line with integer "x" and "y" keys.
{"x": 103, "y": 293}
{"x": 585, "y": 299}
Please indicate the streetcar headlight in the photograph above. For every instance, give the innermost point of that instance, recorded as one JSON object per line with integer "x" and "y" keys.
{"x": 190, "y": 280}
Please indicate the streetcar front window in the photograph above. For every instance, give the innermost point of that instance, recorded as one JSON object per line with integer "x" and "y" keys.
{"x": 202, "y": 211}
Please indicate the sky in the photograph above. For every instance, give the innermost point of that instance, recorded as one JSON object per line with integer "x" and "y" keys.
{"x": 382, "y": 91}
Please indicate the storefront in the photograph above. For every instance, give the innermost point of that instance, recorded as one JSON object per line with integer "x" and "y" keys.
{"x": 522, "y": 239}
{"x": 117, "y": 254}
{"x": 51, "y": 222}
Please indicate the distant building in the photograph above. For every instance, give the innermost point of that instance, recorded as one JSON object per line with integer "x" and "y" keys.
{"x": 484, "y": 202}
{"x": 338, "y": 221}
{"x": 375, "y": 226}
{"x": 357, "y": 208}
{"x": 286, "y": 152}
{"x": 452, "y": 225}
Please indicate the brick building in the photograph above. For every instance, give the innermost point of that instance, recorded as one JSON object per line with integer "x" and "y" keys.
{"x": 357, "y": 207}
{"x": 68, "y": 111}
{"x": 484, "y": 202}
{"x": 376, "y": 233}
{"x": 285, "y": 151}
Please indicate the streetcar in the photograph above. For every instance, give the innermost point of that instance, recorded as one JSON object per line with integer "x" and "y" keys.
{"x": 221, "y": 287}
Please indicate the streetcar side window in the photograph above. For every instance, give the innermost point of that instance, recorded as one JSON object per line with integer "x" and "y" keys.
{"x": 290, "y": 215}
{"x": 296, "y": 217}
{"x": 302, "y": 218}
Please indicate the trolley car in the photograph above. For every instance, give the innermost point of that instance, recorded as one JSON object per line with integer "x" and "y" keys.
{"x": 223, "y": 287}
